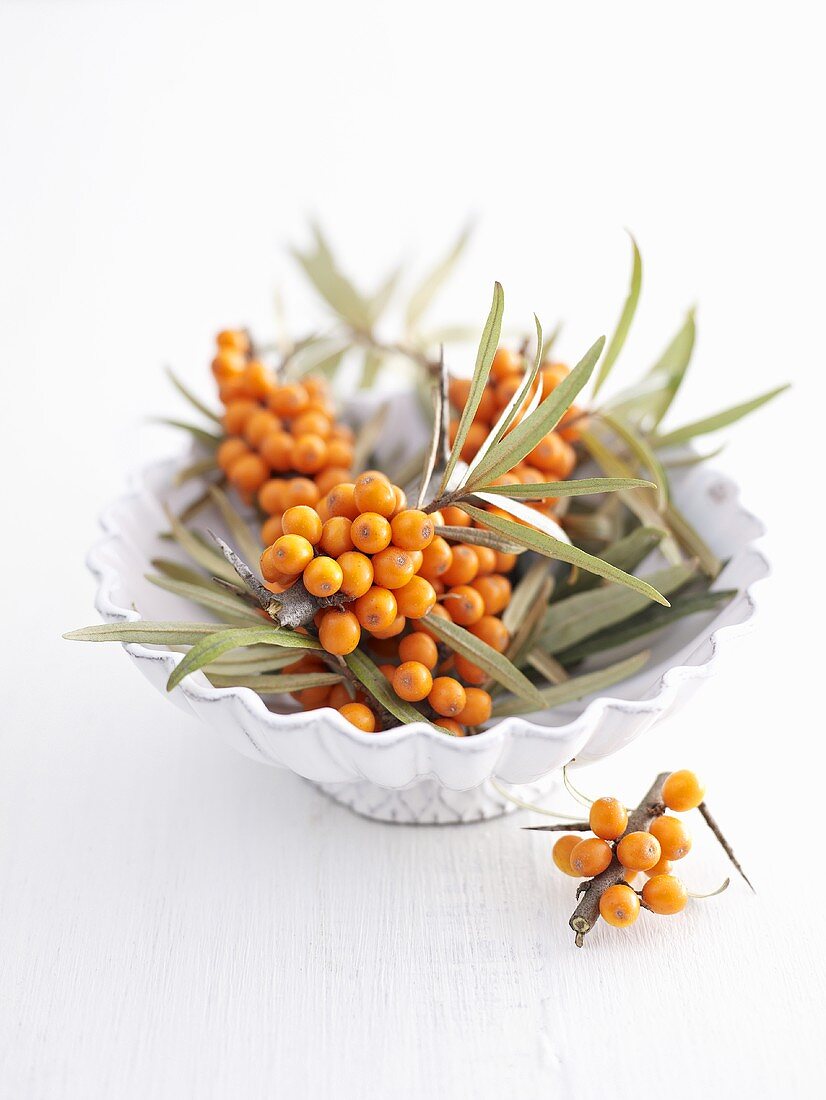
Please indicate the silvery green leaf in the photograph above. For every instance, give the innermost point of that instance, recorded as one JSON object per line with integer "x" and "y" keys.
{"x": 476, "y": 536}
{"x": 580, "y": 487}
{"x": 626, "y": 553}
{"x": 207, "y": 439}
{"x": 224, "y": 604}
{"x": 247, "y": 543}
{"x": 644, "y": 454}
{"x": 617, "y": 341}
{"x": 279, "y": 684}
{"x": 148, "y": 633}
{"x": 692, "y": 541}
{"x": 196, "y": 403}
{"x": 430, "y": 286}
{"x": 333, "y": 286}
{"x": 576, "y": 687}
{"x": 208, "y": 649}
{"x": 716, "y": 422}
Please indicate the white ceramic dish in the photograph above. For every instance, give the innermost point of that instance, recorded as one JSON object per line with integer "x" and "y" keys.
{"x": 414, "y": 773}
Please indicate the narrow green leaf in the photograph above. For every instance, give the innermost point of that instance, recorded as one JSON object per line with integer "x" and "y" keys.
{"x": 576, "y": 687}
{"x": 475, "y": 536}
{"x": 209, "y": 649}
{"x": 531, "y": 429}
{"x": 221, "y": 603}
{"x": 379, "y": 302}
{"x": 656, "y": 618}
{"x": 693, "y": 459}
{"x": 248, "y": 545}
{"x": 484, "y": 359}
{"x": 640, "y": 449}
{"x": 626, "y": 554}
{"x": 150, "y": 633}
{"x": 561, "y": 551}
{"x": 179, "y": 572}
{"x": 646, "y": 402}
{"x": 334, "y": 287}
{"x": 377, "y": 684}
{"x": 190, "y": 396}
{"x": 434, "y": 448}
{"x": 425, "y": 293}
{"x": 196, "y": 469}
{"x": 227, "y": 666}
{"x": 370, "y": 369}
{"x": 524, "y": 635}
{"x": 716, "y": 422}
{"x": 692, "y": 541}
{"x": 204, "y": 556}
{"x": 587, "y": 613}
{"x": 276, "y": 685}
{"x": 495, "y": 664}
{"x": 208, "y": 439}
{"x": 547, "y": 666}
{"x": 525, "y": 593}
{"x": 626, "y": 317}
{"x": 581, "y": 487}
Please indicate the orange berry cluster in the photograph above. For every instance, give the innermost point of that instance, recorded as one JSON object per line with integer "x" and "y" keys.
{"x": 554, "y": 457}
{"x": 652, "y": 851}
{"x": 276, "y": 429}
{"x": 360, "y": 541}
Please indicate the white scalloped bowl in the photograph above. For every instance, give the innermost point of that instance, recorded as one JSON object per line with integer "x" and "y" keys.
{"x": 414, "y": 773}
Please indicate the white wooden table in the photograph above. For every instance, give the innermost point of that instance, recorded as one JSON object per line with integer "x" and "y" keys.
{"x": 176, "y": 921}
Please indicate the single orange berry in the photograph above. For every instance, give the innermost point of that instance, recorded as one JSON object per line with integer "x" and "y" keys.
{"x": 674, "y": 838}
{"x": 341, "y": 500}
{"x": 323, "y": 576}
{"x": 683, "y": 791}
{"x": 638, "y": 851}
{"x": 339, "y": 631}
{"x": 248, "y": 473}
{"x": 313, "y": 698}
{"x": 505, "y": 362}
{"x": 476, "y": 436}
{"x": 465, "y": 605}
{"x": 374, "y": 493}
{"x": 491, "y": 630}
{"x": 447, "y": 696}
{"x": 436, "y": 558}
{"x": 302, "y": 520}
{"x": 455, "y": 517}
{"x": 292, "y": 553}
{"x": 590, "y": 857}
{"x": 339, "y": 696}
{"x": 271, "y": 496}
{"x": 309, "y": 453}
{"x": 458, "y": 391}
{"x": 665, "y": 894}
{"x": 619, "y": 906}
{"x": 356, "y": 573}
{"x": 401, "y": 500}
{"x": 335, "y": 536}
{"x": 415, "y": 598}
{"x": 608, "y": 818}
{"x": 370, "y": 532}
{"x": 393, "y": 567}
{"x": 561, "y": 853}
{"x": 388, "y": 671}
{"x": 463, "y": 568}
{"x": 420, "y": 625}
{"x": 412, "y": 529}
{"x": 495, "y": 591}
{"x": 552, "y": 374}
{"x": 300, "y": 490}
{"x": 486, "y": 558}
{"x": 277, "y": 450}
{"x": 229, "y": 451}
{"x": 419, "y": 647}
{"x": 450, "y": 726}
{"x": 663, "y": 867}
{"x": 376, "y": 609}
{"x": 360, "y": 716}
{"x": 311, "y": 422}
{"x": 271, "y": 530}
{"x": 288, "y": 401}
{"x": 412, "y": 681}
{"x": 236, "y": 415}
{"x": 477, "y": 707}
{"x": 469, "y": 672}
{"x": 332, "y": 476}
{"x": 259, "y": 425}
{"x": 505, "y": 562}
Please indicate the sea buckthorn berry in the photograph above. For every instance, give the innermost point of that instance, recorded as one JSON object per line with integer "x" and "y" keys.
{"x": 608, "y": 818}
{"x": 495, "y": 591}
{"x": 236, "y": 338}
{"x": 292, "y": 553}
{"x": 491, "y": 630}
{"x": 388, "y": 671}
{"x": 360, "y": 716}
{"x": 619, "y": 906}
{"x": 561, "y": 853}
{"x": 465, "y": 605}
{"x": 339, "y": 696}
{"x": 419, "y": 647}
{"x": 233, "y": 389}
{"x": 376, "y": 609}
{"x": 417, "y": 557}
{"x": 248, "y": 473}
{"x": 335, "y": 536}
{"x": 455, "y": 517}
{"x": 665, "y": 894}
{"x": 229, "y": 451}
{"x": 548, "y": 454}
{"x": 329, "y": 478}
{"x": 339, "y": 631}
{"x": 277, "y": 450}
{"x": 323, "y": 576}
{"x": 571, "y": 424}
{"x": 638, "y": 851}
{"x": 506, "y": 388}
{"x": 590, "y": 857}
{"x": 674, "y": 838}
{"x": 311, "y": 422}
{"x": 662, "y": 868}
{"x": 415, "y": 598}
{"x": 393, "y": 568}
{"x": 356, "y": 573}
{"x": 436, "y": 558}
{"x": 486, "y": 557}
{"x": 340, "y": 457}
{"x": 268, "y": 566}
{"x": 312, "y": 698}
{"x": 420, "y": 626}
{"x": 392, "y": 631}
{"x": 505, "y": 362}
{"x": 302, "y": 520}
{"x": 309, "y": 453}
{"x": 447, "y": 696}
{"x": 505, "y": 562}
{"x": 259, "y": 379}
{"x": 552, "y": 374}
{"x": 458, "y": 391}
{"x": 370, "y": 532}
{"x": 300, "y": 490}
{"x": 288, "y": 401}
{"x": 477, "y": 707}
{"x": 374, "y": 493}
{"x": 228, "y": 363}
{"x": 272, "y": 497}
{"x": 401, "y": 500}
{"x": 683, "y": 791}
{"x": 341, "y": 500}
{"x": 271, "y": 529}
{"x": 450, "y": 726}
{"x": 412, "y": 529}
{"x": 463, "y": 567}
{"x": 488, "y": 408}
{"x": 476, "y": 436}
{"x": 469, "y": 672}
{"x": 236, "y": 415}
{"x": 412, "y": 681}
{"x": 259, "y": 426}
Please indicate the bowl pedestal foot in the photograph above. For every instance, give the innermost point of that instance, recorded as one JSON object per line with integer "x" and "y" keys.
{"x": 427, "y": 802}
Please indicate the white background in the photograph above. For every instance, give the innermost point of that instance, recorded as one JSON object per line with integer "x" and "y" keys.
{"x": 178, "y": 921}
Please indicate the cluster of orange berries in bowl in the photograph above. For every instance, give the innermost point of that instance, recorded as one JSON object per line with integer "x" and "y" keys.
{"x": 284, "y": 444}
{"x": 384, "y": 568}
{"x": 652, "y": 851}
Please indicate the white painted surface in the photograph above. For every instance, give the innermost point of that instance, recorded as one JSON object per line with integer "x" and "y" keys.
{"x": 177, "y": 921}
